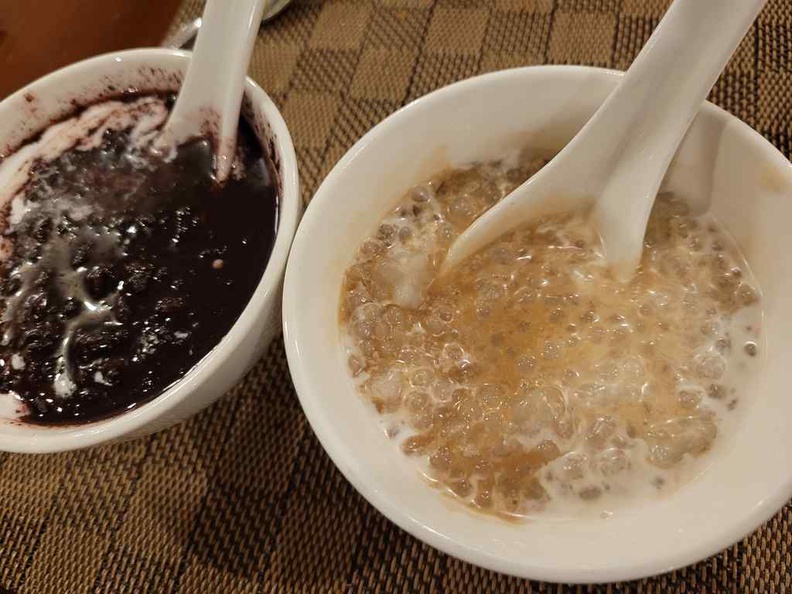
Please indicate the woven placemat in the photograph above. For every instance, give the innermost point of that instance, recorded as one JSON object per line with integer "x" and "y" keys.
{"x": 242, "y": 498}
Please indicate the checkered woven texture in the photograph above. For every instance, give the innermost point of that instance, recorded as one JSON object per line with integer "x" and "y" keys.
{"x": 242, "y": 498}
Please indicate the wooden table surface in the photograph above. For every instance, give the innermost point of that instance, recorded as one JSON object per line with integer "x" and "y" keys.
{"x": 39, "y": 36}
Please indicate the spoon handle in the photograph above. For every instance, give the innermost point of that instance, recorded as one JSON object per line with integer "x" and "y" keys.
{"x": 640, "y": 126}
{"x": 620, "y": 156}
{"x": 210, "y": 97}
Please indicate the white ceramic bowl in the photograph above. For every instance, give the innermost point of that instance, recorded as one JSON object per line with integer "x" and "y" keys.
{"x": 723, "y": 161}
{"x": 57, "y": 95}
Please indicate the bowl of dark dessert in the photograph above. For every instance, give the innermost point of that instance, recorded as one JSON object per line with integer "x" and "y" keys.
{"x": 136, "y": 289}
{"x": 527, "y": 412}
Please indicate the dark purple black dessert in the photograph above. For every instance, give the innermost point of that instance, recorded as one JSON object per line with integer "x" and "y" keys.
{"x": 125, "y": 268}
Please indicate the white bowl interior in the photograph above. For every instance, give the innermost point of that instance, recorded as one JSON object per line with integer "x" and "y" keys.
{"x": 58, "y": 95}
{"x": 722, "y": 162}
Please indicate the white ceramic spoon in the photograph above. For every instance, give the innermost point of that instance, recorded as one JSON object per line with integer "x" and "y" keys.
{"x": 184, "y": 38}
{"x": 618, "y": 160}
{"x": 210, "y": 97}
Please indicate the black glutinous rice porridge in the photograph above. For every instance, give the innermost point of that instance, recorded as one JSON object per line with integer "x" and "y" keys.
{"x": 122, "y": 268}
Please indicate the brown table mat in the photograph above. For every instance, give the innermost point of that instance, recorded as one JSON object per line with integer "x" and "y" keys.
{"x": 242, "y": 498}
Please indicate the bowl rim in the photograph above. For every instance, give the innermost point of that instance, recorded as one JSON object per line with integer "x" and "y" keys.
{"x": 332, "y": 437}
{"x": 55, "y": 438}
